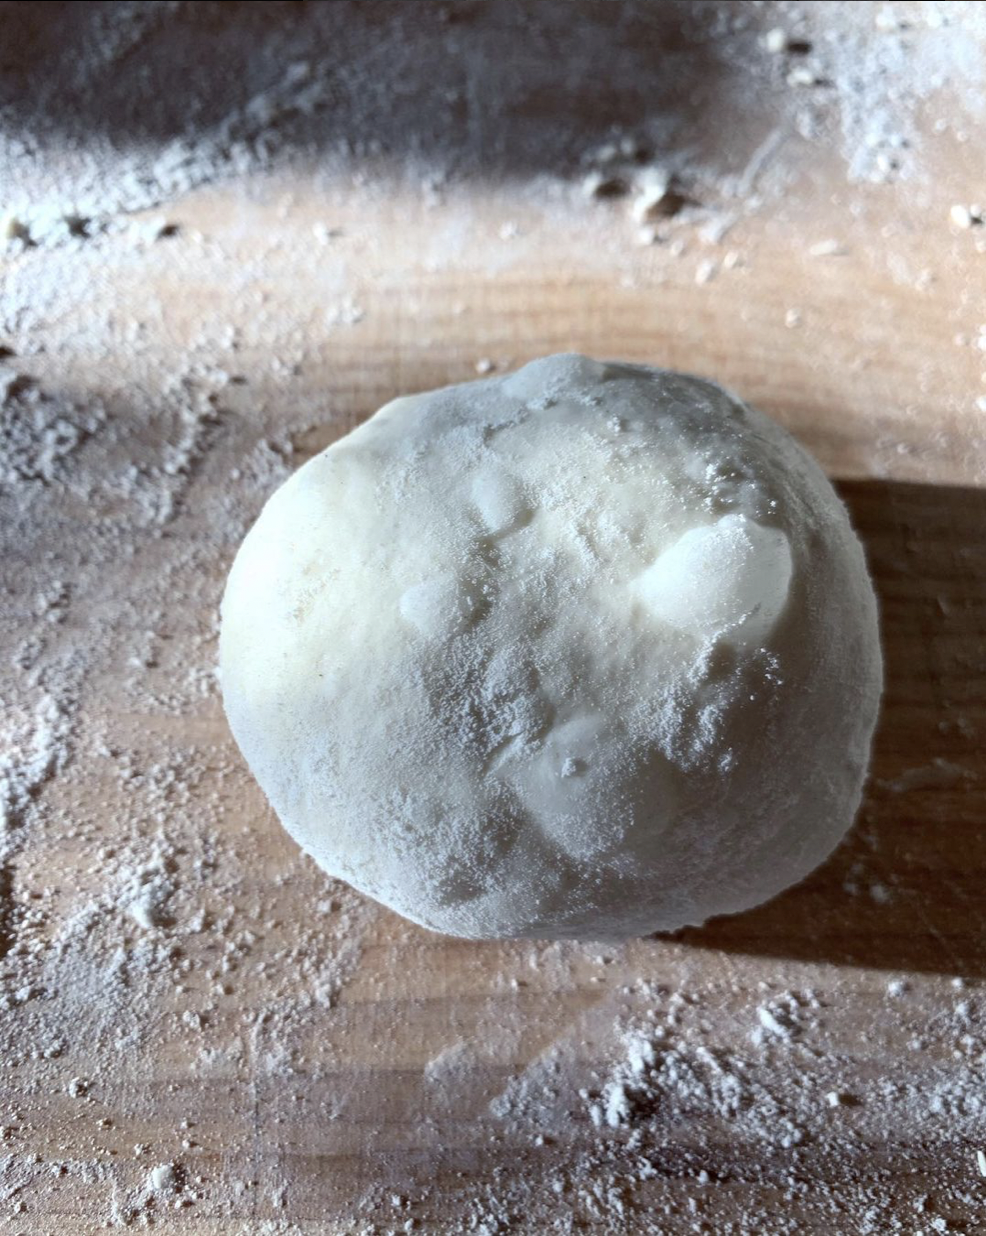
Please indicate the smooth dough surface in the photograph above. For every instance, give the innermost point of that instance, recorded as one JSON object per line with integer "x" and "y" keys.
{"x": 589, "y": 650}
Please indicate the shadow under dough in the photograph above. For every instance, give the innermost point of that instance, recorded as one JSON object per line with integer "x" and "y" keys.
{"x": 907, "y": 889}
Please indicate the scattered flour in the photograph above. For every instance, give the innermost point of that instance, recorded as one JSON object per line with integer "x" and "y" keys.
{"x": 179, "y": 1004}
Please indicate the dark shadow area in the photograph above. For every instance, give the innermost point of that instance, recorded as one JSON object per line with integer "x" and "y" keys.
{"x": 907, "y": 889}
{"x": 475, "y": 87}
{"x": 8, "y": 932}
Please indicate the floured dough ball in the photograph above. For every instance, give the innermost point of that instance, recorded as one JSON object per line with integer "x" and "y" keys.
{"x": 589, "y": 651}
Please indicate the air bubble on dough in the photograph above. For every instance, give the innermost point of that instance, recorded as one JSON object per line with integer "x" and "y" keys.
{"x": 728, "y": 580}
{"x": 439, "y": 607}
{"x": 499, "y": 499}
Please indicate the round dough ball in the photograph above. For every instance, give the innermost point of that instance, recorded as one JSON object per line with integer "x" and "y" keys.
{"x": 585, "y": 651}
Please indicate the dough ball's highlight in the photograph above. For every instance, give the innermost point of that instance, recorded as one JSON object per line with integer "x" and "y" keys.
{"x": 588, "y": 651}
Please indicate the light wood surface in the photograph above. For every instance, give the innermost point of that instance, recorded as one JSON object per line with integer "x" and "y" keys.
{"x": 309, "y": 1114}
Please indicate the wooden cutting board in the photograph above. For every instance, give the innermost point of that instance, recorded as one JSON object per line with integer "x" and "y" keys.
{"x": 307, "y": 1061}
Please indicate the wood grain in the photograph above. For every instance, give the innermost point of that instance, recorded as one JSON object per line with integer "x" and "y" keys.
{"x": 308, "y": 1117}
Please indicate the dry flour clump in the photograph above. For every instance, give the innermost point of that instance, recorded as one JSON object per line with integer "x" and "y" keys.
{"x": 149, "y": 890}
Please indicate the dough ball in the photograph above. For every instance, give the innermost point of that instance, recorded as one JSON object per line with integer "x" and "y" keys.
{"x": 585, "y": 651}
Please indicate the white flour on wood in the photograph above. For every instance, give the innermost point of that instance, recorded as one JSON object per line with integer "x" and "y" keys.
{"x": 196, "y": 1029}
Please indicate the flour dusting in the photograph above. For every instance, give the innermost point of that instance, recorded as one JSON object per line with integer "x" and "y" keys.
{"x": 227, "y": 234}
